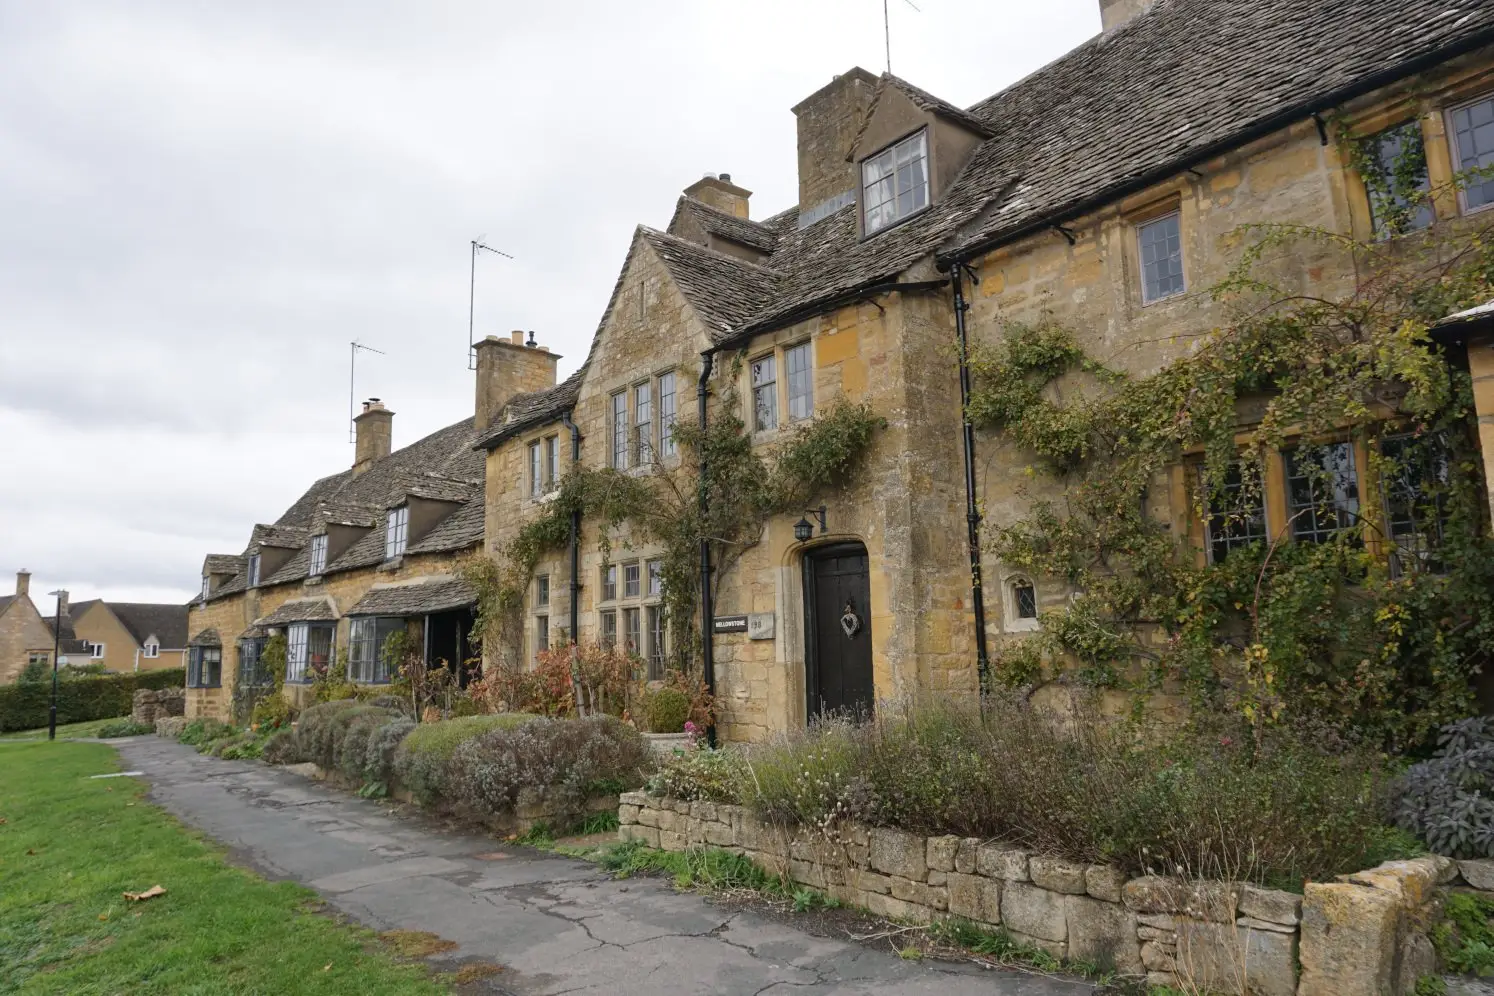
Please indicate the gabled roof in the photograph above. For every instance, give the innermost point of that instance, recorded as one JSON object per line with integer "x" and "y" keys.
{"x": 725, "y": 291}
{"x": 416, "y": 598}
{"x": 300, "y": 610}
{"x": 222, "y": 563}
{"x": 752, "y": 234}
{"x": 921, "y": 99}
{"x": 168, "y": 623}
{"x": 5, "y": 601}
{"x": 206, "y": 638}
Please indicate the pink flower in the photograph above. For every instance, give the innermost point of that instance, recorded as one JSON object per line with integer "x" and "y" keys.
{"x": 690, "y": 728}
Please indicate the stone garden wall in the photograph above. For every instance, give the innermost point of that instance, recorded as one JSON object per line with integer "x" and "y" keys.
{"x": 1365, "y": 933}
{"x": 151, "y": 704}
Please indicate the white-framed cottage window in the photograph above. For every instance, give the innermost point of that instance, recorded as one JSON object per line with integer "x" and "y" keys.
{"x": 205, "y": 667}
{"x": 252, "y": 672}
{"x": 619, "y": 430}
{"x": 96, "y": 651}
{"x": 318, "y": 555}
{"x": 150, "y": 651}
{"x": 895, "y": 183}
{"x": 253, "y": 570}
{"x": 552, "y": 462}
{"x": 396, "y": 532}
{"x": 667, "y": 414}
{"x": 541, "y": 634}
{"x": 643, "y": 423}
{"x": 655, "y": 648}
{"x": 655, "y": 572}
{"x": 1471, "y": 129}
{"x": 308, "y": 648}
{"x": 1161, "y": 247}
{"x": 609, "y": 582}
{"x": 764, "y": 393}
{"x": 542, "y": 591}
{"x": 608, "y": 635}
{"x": 536, "y": 470}
{"x": 295, "y": 652}
{"x": 207, "y": 584}
{"x": 367, "y": 637}
{"x": 631, "y": 580}
{"x": 632, "y": 631}
{"x": 798, "y": 362}
{"x": 1020, "y": 595}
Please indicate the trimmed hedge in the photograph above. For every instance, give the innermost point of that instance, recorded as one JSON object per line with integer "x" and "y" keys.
{"x": 107, "y": 696}
{"x": 422, "y": 760}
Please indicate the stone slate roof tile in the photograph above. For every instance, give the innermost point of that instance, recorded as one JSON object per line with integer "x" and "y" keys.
{"x": 206, "y": 638}
{"x": 222, "y": 563}
{"x": 282, "y": 536}
{"x": 168, "y": 623}
{"x": 301, "y": 610}
{"x": 458, "y": 531}
{"x": 924, "y": 101}
{"x": 525, "y": 411}
{"x": 434, "y": 594}
{"x": 725, "y": 291}
{"x": 433, "y": 486}
{"x": 752, "y": 234}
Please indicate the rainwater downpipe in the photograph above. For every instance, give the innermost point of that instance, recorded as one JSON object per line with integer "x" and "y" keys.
{"x": 707, "y": 643}
{"x": 972, "y": 506}
{"x": 575, "y": 633}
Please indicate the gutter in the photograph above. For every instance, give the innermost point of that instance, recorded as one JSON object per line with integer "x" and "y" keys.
{"x": 1312, "y": 108}
{"x": 707, "y": 636}
{"x": 575, "y": 634}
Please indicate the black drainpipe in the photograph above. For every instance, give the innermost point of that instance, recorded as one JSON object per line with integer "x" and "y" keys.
{"x": 575, "y": 634}
{"x": 707, "y": 643}
{"x": 972, "y": 507}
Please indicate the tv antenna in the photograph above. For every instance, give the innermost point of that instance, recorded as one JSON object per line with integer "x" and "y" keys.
{"x": 887, "y": 28}
{"x": 353, "y": 348}
{"x": 477, "y": 247}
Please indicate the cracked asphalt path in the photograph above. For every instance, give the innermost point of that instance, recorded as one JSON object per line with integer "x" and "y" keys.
{"x": 556, "y": 925}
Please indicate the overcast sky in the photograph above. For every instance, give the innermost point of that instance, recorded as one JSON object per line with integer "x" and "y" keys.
{"x": 201, "y": 204}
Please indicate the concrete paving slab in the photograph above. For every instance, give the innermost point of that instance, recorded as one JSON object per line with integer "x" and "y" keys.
{"x": 555, "y": 924}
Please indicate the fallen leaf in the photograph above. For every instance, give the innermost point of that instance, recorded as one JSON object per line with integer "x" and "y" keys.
{"x": 327, "y": 967}
{"x": 30, "y": 851}
{"x": 150, "y": 893}
{"x": 103, "y": 916}
{"x": 3, "y": 821}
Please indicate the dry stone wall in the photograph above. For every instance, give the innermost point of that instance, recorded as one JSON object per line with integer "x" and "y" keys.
{"x": 1365, "y": 933}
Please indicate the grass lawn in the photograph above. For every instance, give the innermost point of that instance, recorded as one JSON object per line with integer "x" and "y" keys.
{"x": 88, "y": 729}
{"x": 71, "y": 846}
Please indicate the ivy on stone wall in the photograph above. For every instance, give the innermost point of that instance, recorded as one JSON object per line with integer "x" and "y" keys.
{"x": 743, "y": 490}
{"x": 1380, "y": 625}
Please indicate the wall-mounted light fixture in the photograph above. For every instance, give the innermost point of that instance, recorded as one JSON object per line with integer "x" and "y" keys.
{"x": 804, "y": 529}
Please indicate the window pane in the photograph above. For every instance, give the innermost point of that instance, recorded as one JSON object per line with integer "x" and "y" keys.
{"x": 1414, "y": 482}
{"x": 655, "y": 643}
{"x": 620, "y": 430}
{"x": 666, "y": 414}
{"x": 1161, "y": 244}
{"x": 295, "y": 652}
{"x": 1237, "y": 511}
{"x": 552, "y": 462}
{"x": 764, "y": 394}
{"x": 800, "y": 382}
{"x": 630, "y": 580}
{"x": 542, "y": 590}
{"x": 609, "y": 628}
{"x": 536, "y": 471}
{"x": 1024, "y": 595}
{"x": 609, "y": 582}
{"x": 1323, "y": 491}
{"x": 894, "y": 183}
{"x": 643, "y": 422}
{"x": 655, "y": 577}
{"x": 1397, "y": 180}
{"x": 1473, "y": 135}
{"x": 541, "y": 634}
{"x": 631, "y": 632}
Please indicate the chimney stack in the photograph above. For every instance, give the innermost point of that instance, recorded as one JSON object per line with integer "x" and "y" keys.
{"x": 23, "y": 582}
{"x": 829, "y": 119}
{"x": 375, "y": 435}
{"x": 506, "y": 367}
{"x": 62, "y": 606}
{"x": 720, "y": 193}
{"x": 1114, "y": 13}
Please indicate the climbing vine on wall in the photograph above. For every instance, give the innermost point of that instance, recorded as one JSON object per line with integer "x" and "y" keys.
{"x": 743, "y": 490}
{"x": 1380, "y": 625}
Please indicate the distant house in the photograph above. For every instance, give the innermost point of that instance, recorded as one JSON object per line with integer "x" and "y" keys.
{"x": 24, "y": 633}
{"x": 131, "y": 636}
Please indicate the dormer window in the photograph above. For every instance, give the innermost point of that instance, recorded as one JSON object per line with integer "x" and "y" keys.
{"x": 397, "y": 532}
{"x": 151, "y": 651}
{"x": 318, "y": 555}
{"x": 254, "y": 570}
{"x": 207, "y": 585}
{"x": 895, "y": 183}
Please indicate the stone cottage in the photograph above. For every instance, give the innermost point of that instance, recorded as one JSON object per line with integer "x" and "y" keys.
{"x": 1101, "y": 191}
{"x": 363, "y": 554}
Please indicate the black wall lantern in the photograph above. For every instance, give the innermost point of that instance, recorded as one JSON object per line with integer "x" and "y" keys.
{"x": 804, "y": 529}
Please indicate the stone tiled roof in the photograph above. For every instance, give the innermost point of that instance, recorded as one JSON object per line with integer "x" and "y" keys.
{"x": 752, "y": 234}
{"x": 222, "y": 563}
{"x": 526, "y": 411}
{"x": 300, "y": 610}
{"x": 442, "y": 466}
{"x": 206, "y": 638}
{"x": 1179, "y": 84}
{"x": 458, "y": 531}
{"x": 436, "y": 594}
{"x": 168, "y": 623}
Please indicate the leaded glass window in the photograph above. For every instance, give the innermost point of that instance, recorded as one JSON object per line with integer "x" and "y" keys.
{"x": 800, "y": 382}
{"x": 1161, "y": 244}
{"x": 895, "y": 183}
{"x": 764, "y": 394}
{"x": 1237, "y": 510}
{"x": 1473, "y": 148}
{"x": 1322, "y": 491}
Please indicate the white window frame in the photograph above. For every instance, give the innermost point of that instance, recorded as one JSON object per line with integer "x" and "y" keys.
{"x": 667, "y": 414}
{"x": 253, "y": 570}
{"x": 207, "y": 584}
{"x": 890, "y": 162}
{"x": 617, "y": 425}
{"x": 150, "y": 651}
{"x": 806, "y": 350}
{"x": 297, "y": 640}
{"x": 1141, "y": 228}
{"x": 542, "y": 591}
{"x": 552, "y": 463}
{"x": 767, "y": 388}
{"x": 609, "y": 580}
{"x": 396, "y": 532}
{"x": 643, "y": 423}
{"x": 1015, "y": 621}
{"x": 635, "y": 582}
{"x": 366, "y": 650}
{"x": 96, "y": 651}
{"x": 536, "y": 469}
{"x": 1452, "y": 151}
{"x": 318, "y": 565}
{"x": 541, "y": 633}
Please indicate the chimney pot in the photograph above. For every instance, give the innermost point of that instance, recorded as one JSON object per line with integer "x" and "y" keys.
{"x": 725, "y": 177}
{"x": 721, "y": 194}
{"x": 517, "y": 335}
{"x": 503, "y": 371}
{"x": 374, "y": 436}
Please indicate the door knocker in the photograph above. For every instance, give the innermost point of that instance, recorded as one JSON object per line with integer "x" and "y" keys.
{"x": 849, "y": 621}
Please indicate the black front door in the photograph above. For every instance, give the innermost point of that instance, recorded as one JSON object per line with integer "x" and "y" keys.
{"x": 837, "y": 595}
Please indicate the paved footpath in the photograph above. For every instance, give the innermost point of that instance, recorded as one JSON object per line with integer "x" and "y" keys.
{"x": 556, "y": 925}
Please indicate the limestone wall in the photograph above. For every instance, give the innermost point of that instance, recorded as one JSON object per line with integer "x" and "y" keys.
{"x": 1363, "y": 934}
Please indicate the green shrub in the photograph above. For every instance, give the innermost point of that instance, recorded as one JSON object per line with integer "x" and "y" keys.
{"x": 1288, "y": 804}
{"x": 1445, "y": 800}
{"x": 420, "y": 761}
{"x": 710, "y": 775}
{"x": 668, "y": 708}
{"x": 281, "y": 747}
{"x": 335, "y": 734}
{"x": 203, "y": 731}
{"x": 567, "y": 760}
{"x": 25, "y": 706}
{"x": 124, "y": 728}
{"x": 272, "y": 712}
{"x": 1464, "y": 939}
{"x": 378, "y": 757}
